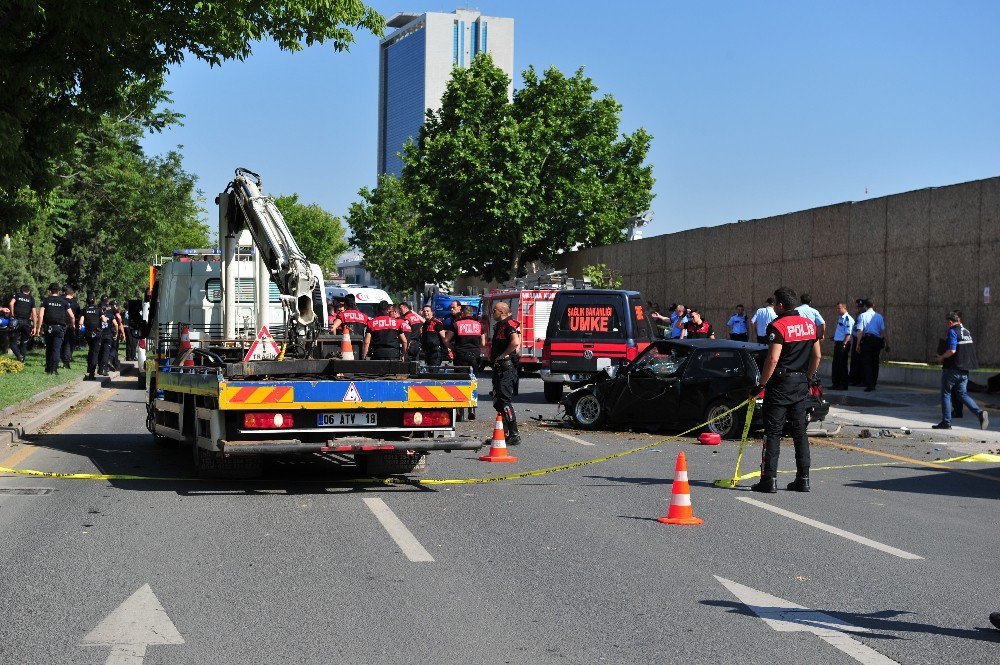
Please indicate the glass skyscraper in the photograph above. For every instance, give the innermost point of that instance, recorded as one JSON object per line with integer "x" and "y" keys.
{"x": 415, "y": 64}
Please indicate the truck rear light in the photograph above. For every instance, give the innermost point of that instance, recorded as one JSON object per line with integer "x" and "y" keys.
{"x": 547, "y": 353}
{"x": 432, "y": 418}
{"x": 631, "y": 350}
{"x": 268, "y": 420}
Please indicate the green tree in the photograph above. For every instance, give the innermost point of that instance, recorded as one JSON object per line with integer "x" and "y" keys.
{"x": 602, "y": 277}
{"x": 66, "y": 64}
{"x": 319, "y": 234}
{"x": 399, "y": 249}
{"x": 502, "y": 182}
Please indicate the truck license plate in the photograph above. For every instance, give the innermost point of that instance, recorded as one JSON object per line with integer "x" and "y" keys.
{"x": 347, "y": 419}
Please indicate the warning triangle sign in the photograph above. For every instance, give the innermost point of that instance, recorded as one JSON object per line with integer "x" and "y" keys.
{"x": 352, "y": 394}
{"x": 263, "y": 348}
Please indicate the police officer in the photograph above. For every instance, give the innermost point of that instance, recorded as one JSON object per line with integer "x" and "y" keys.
{"x": 467, "y": 339}
{"x": 793, "y": 357}
{"x": 432, "y": 337}
{"x": 504, "y": 348}
{"x": 384, "y": 339}
{"x": 870, "y": 328}
{"x": 92, "y": 325}
{"x": 24, "y": 321}
{"x": 54, "y": 314}
{"x": 957, "y": 360}
{"x": 109, "y": 336}
{"x": 114, "y": 362}
{"x": 857, "y": 373}
{"x": 355, "y": 320}
{"x": 69, "y": 341}
{"x": 842, "y": 347}
{"x": 807, "y": 311}
{"x": 416, "y": 323}
{"x": 738, "y": 331}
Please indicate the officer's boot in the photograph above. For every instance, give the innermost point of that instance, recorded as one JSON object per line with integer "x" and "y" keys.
{"x": 801, "y": 482}
{"x": 767, "y": 484}
{"x": 510, "y": 425}
{"x": 472, "y": 413}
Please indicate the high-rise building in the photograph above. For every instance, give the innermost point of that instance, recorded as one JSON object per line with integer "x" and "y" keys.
{"x": 415, "y": 64}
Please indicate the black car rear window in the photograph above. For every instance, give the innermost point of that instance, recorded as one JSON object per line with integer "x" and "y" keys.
{"x": 716, "y": 364}
{"x": 587, "y": 315}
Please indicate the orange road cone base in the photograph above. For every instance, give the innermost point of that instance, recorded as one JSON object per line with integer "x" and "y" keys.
{"x": 501, "y": 456}
{"x": 680, "y": 520}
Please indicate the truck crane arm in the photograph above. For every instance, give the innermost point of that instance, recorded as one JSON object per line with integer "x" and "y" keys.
{"x": 288, "y": 266}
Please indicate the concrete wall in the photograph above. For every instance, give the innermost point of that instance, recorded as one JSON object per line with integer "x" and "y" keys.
{"x": 917, "y": 255}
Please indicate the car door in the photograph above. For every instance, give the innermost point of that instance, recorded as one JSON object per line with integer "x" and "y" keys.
{"x": 649, "y": 387}
{"x": 712, "y": 374}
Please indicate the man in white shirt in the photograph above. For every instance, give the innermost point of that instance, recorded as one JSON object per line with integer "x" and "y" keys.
{"x": 762, "y": 319}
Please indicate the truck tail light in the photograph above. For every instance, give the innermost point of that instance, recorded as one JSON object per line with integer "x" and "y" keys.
{"x": 432, "y": 418}
{"x": 631, "y": 350}
{"x": 547, "y": 354}
{"x": 268, "y": 420}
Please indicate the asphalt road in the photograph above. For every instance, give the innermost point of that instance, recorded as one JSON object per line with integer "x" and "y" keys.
{"x": 569, "y": 567}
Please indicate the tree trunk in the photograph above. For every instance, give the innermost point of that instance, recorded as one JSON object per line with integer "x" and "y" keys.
{"x": 515, "y": 263}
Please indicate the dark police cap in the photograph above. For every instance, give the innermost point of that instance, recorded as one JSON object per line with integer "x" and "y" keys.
{"x": 860, "y": 302}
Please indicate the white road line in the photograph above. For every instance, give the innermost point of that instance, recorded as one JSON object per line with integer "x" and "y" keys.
{"x": 830, "y": 529}
{"x": 570, "y": 437}
{"x": 407, "y": 542}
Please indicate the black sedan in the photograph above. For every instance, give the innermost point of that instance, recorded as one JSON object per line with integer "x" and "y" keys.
{"x": 677, "y": 384}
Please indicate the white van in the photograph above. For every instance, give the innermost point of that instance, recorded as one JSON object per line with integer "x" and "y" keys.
{"x": 367, "y": 298}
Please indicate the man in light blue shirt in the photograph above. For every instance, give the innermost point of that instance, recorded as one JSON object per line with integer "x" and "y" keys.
{"x": 762, "y": 319}
{"x": 871, "y": 335}
{"x": 806, "y": 311}
{"x": 677, "y": 321}
{"x": 738, "y": 326}
{"x": 842, "y": 337}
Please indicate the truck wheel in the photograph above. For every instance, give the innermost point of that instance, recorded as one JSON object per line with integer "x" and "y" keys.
{"x": 729, "y": 426}
{"x": 553, "y": 391}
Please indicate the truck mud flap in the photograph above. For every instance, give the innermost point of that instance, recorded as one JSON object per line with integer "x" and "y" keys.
{"x": 352, "y": 445}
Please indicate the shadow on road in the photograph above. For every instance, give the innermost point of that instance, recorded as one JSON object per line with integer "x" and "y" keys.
{"x": 945, "y": 483}
{"x": 885, "y": 620}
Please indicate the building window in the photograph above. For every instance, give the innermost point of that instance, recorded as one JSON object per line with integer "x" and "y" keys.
{"x": 454, "y": 45}
{"x": 461, "y": 43}
{"x": 485, "y": 27}
{"x": 475, "y": 38}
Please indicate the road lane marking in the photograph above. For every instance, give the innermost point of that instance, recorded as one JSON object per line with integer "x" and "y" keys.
{"x": 570, "y": 437}
{"x": 406, "y": 541}
{"x": 137, "y": 623}
{"x": 830, "y": 529}
{"x": 785, "y": 616}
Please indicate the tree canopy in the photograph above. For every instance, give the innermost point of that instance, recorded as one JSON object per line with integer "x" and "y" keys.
{"x": 398, "y": 247}
{"x": 66, "y": 64}
{"x": 500, "y": 183}
{"x": 319, "y": 234}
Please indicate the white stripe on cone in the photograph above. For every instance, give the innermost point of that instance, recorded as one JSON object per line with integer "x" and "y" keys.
{"x": 681, "y": 476}
{"x": 680, "y": 500}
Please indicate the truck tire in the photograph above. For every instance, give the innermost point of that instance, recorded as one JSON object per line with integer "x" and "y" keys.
{"x": 553, "y": 391}
{"x": 213, "y": 464}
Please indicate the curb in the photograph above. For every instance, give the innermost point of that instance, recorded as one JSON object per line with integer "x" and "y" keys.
{"x": 14, "y": 429}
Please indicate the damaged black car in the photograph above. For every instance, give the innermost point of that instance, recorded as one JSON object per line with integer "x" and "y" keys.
{"x": 677, "y": 384}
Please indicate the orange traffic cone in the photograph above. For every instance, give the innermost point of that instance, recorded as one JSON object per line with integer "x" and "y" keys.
{"x": 498, "y": 449}
{"x": 680, "y": 497}
{"x": 185, "y": 345}
{"x": 346, "y": 350}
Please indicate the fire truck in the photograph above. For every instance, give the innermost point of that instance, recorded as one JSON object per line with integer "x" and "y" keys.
{"x": 530, "y": 302}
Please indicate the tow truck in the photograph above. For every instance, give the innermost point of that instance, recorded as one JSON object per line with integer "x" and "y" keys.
{"x": 206, "y": 390}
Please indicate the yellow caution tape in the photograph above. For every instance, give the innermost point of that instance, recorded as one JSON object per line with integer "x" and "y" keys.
{"x": 406, "y": 481}
{"x": 732, "y": 482}
{"x": 978, "y": 457}
{"x": 756, "y": 474}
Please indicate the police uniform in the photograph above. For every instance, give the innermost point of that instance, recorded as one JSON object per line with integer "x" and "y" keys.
{"x": 468, "y": 337}
{"x": 54, "y": 330}
{"x": 94, "y": 323}
{"x": 21, "y": 324}
{"x": 955, "y": 376}
{"x": 871, "y": 327}
{"x": 842, "y": 340}
{"x": 416, "y": 323}
{"x": 384, "y": 331}
{"x": 431, "y": 341}
{"x": 356, "y": 322}
{"x": 762, "y": 318}
{"x": 856, "y": 377}
{"x": 785, "y": 397}
{"x": 69, "y": 340}
{"x": 505, "y": 376}
{"x": 738, "y": 331}
{"x": 701, "y": 331}
{"x": 108, "y": 342}
{"x": 811, "y": 313}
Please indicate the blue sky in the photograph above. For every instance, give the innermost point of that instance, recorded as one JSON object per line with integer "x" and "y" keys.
{"x": 756, "y": 108}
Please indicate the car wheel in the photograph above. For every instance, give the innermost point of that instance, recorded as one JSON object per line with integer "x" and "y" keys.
{"x": 729, "y": 426}
{"x": 553, "y": 391}
{"x": 587, "y": 411}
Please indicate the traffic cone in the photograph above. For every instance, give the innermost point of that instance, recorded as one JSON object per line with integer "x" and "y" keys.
{"x": 498, "y": 448}
{"x": 346, "y": 350}
{"x": 185, "y": 345}
{"x": 680, "y": 497}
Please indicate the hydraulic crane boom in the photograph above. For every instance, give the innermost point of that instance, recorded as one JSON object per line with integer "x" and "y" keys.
{"x": 288, "y": 266}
